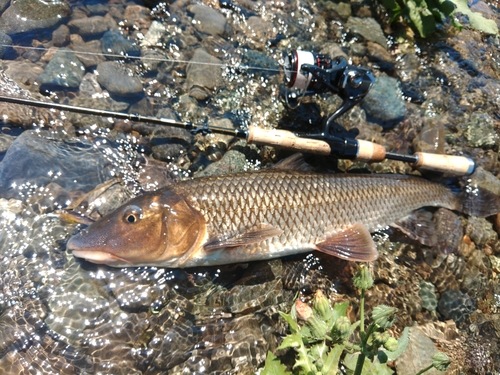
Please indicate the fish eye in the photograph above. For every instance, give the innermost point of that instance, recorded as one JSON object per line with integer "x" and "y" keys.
{"x": 132, "y": 214}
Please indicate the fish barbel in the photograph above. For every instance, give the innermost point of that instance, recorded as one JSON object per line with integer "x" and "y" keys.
{"x": 268, "y": 214}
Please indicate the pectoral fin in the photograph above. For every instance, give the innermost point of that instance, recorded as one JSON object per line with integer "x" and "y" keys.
{"x": 354, "y": 243}
{"x": 418, "y": 226}
{"x": 247, "y": 236}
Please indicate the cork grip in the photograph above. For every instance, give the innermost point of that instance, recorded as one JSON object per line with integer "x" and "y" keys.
{"x": 459, "y": 165}
{"x": 288, "y": 140}
{"x": 370, "y": 151}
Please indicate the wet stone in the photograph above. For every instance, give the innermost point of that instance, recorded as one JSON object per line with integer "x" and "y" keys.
{"x": 114, "y": 43}
{"x": 64, "y": 71}
{"x": 6, "y": 41}
{"x": 480, "y": 231}
{"x": 61, "y": 36}
{"x": 115, "y": 78}
{"x": 202, "y": 78}
{"x": 208, "y": 20}
{"x": 384, "y": 102}
{"x": 3, "y": 5}
{"x": 89, "y": 26}
{"x": 93, "y": 49}
{"x": 38, "y": 159}
{"x": 368, "y": 28}
{"x": 35, "y": 15}
{"x": 428, "y": 295}
{"x": 343, "y": 9}
{"x": 233, "y": 161}
{"x": 480, "y": 131}
{"x": 418, "y": 354}
{"x": 456, "y": 305}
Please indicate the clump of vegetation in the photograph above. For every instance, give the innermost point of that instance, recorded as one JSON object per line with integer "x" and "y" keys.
{"x": 423, "y": 15}
{"x": 325, "y": 340}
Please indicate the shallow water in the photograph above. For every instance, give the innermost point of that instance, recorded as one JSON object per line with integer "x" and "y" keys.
{"x": 59, "y": 315}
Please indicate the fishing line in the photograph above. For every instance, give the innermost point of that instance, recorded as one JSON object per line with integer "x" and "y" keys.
{"x": 176, "y": 61}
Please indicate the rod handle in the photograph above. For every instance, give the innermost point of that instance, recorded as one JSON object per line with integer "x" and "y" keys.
{"x": 288, "y": 140}
{"x": 369, "y": 151}
{"x": 458, "y": 165}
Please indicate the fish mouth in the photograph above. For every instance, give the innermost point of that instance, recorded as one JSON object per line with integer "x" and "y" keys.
{"x": 94, "y": 255}
{"x": 101, "y": 257}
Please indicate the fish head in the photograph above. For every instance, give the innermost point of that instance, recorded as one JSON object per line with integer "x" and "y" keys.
{"x": 153, "y": 229}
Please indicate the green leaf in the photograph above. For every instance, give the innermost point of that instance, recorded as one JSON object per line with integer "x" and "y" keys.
{"x": 477, "y": 21}
{"x": 291, "y": 341}
{"x": 369, "y": 367}
{"x": 446, "y": 6}
{"x": 319, "y": 351}
{"x": 331, "y": 363}
{"x": 340, "y": 309}
{"x": 403, "y": 342}
{"x": 422, "y": 18}
{"x": 304, "y": 361}
{"x": 273, "y": 366}
{"x": 294, "y": 327}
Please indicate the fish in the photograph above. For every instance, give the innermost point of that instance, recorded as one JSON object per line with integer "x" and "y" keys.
{"x": 268, "y": 214}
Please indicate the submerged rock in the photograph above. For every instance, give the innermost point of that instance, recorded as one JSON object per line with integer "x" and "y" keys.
{"x": 36, "y": 159}
{"x": 368, "y": 28}
{"x": 456, "y": 305}
{"x": 208, "y": 20}
{"x": 89, "y": 26}
{"x": 116, "y": 46}
{"x": 64, "y": 71}
{"x": 480, "y": 131}
{"x": 5, "y": 41}
{"x": 384, "y": 102}
{"x": 115, "y": 78}
{"x": 27, "y": 15}
{"x": 204, "y": 75}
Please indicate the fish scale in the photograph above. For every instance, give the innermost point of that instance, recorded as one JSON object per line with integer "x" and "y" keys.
{"x": 307, "y": 207}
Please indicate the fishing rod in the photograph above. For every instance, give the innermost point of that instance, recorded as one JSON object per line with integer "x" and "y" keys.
{"x": 308, "y": 73}
{"x": 339, "y": 147}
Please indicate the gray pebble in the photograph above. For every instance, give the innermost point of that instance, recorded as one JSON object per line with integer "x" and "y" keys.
{"x": 384, "y": 102}
{"x": 114, "y": 43}
{"x": 456, "y": 305}
{"x": 480, "y": 131}
{"x": 60, "y": 36}
{"x": 6, "y": 40}
{"x": 64, "y": 71}
{"x": 207, "y": 75}
{"x": 89, "y": 26}
{"x": 117, "y": 80}
{"x": 208, "y": 20}
{"x": 35, "y": 14}
{"x": 368, "y": 28}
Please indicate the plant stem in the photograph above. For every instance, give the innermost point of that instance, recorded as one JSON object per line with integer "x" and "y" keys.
{"x": 361, "y": 357}
{"x": 425, "y": 370}
{"x": 362, "y": 313}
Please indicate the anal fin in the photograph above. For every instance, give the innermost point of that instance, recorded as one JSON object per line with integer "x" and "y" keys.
{"x": 255, "y": 234}
{"x": 418, "y": 226}
{"x": 354, "y": 243}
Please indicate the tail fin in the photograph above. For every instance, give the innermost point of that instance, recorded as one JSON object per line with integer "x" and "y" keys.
{"x": 477, "y": 201}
